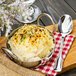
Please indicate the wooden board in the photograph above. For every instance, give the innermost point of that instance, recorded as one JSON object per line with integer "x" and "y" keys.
{"x": 9, "y": 68}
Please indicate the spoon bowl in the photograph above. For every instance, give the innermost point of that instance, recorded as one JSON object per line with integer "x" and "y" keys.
{"x": 65, "y": 25}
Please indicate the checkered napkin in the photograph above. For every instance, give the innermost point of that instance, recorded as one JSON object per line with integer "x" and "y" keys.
{"x": 48, "y": 66}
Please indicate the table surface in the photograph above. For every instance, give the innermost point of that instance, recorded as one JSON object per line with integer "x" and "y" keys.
{"x": 69, "y": 63}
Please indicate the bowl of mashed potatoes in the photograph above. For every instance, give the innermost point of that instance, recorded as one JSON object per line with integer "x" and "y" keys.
{"x": 31, "y": 44}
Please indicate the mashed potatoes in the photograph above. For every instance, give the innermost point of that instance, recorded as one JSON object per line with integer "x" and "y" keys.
{"x": 31, "y": 43}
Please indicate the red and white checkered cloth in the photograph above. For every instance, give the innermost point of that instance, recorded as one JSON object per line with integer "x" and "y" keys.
{"x": 48, "y": 67}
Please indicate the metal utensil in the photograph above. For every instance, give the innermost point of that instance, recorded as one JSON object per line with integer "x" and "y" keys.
{"x": 65, "y": 27}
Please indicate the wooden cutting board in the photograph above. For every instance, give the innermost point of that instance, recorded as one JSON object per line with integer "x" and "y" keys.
{"x": 9, "y": 68}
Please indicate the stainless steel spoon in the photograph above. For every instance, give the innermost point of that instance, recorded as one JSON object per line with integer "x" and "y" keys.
{"x": 65, "y": 26}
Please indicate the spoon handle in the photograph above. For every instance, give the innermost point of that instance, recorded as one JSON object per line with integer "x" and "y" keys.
{"x": 59, "y": 62}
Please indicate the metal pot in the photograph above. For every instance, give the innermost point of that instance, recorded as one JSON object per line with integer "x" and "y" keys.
{"x": 14, "y": 58}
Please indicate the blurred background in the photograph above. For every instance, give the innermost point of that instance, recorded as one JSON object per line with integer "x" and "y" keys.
{"x": 56, "y": 8}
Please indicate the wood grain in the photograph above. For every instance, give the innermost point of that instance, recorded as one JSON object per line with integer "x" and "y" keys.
{"x": 4, "y": 71}
{"x": 17, "y": 68}
{"x": 8, "y": 65}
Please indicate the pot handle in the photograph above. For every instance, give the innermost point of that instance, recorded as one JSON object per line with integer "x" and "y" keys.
{"x": 45, "y": 14}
